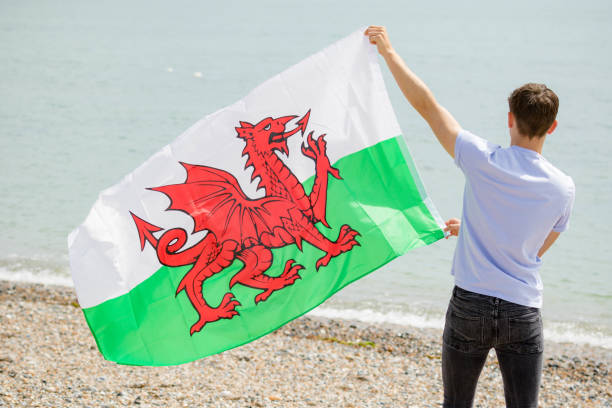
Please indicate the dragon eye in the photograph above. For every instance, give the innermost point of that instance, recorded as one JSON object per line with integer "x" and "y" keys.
{"x": 267, "y": 127}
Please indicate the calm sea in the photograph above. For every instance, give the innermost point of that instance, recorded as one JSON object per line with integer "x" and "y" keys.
{"x": 89, "y": 90}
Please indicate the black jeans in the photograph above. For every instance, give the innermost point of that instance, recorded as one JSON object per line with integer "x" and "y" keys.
{"x": 474, "y": 324}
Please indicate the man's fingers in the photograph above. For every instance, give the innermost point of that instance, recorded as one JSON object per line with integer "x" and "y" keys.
{"x": 376, "y": 34}
{"x": 452, "y": 227}
{"x": 453, "y": 222}
{"x": 371, "y": 30}
{"x": 375, "y": 38}
{"x": 373, "y": 27}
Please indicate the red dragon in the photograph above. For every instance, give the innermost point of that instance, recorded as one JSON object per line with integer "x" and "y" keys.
{"x": 246, "y": 229}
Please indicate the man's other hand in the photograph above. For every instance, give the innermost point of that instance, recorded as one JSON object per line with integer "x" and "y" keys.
{"x": 452, "y": 227}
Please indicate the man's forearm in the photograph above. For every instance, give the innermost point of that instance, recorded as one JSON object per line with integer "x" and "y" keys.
{"x": 550, "y": 239}
{"x": 444, "y": 126}
{"x": 413, "y": 88}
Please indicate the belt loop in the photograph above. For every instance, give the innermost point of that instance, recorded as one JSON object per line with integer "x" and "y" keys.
{"x": 455, "y": 291}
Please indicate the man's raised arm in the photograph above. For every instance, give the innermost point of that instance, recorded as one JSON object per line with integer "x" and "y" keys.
{"x": 444, "y": 126}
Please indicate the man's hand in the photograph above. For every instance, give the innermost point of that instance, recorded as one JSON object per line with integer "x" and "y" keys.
{"x": 378, "y": 35}
{"x": 444, "y": 126}
{"x": 452, "y": 227}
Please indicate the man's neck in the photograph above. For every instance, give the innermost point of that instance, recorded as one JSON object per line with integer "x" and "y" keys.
{"x": 536, "y": 143}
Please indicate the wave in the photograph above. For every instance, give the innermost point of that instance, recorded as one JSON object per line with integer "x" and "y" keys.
{"x": 55, "y": 271}
{"x": 558, "y": 332}
{"x": 43, "y": 277}
{"x": 46, "y": 270}
{"x": 373, "y": 316}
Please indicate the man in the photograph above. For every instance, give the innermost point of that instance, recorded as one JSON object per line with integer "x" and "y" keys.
{"x": 515, "y": 206}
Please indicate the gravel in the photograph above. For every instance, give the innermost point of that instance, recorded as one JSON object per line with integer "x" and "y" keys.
{"x": 48, "y": 358}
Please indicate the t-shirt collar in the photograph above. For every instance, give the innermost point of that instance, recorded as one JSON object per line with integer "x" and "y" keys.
{"x": 527, "y": 151}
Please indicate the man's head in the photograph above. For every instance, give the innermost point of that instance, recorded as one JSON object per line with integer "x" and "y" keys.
{"x": 533, "y": 109}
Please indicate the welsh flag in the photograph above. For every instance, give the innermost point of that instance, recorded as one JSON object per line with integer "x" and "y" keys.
{"x": 253, "y": 216}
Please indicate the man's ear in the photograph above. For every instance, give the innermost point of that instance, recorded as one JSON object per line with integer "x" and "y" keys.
{"x": 510, "y": 120}
{"x": 552, "y": 127}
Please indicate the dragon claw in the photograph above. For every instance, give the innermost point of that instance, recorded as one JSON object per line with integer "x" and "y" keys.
{"x": 226, "y": 310}
{"x": 288, "y": 277}
{"x": 310, "y": 139}
{"x": 308, "y": 152}
{"x": 344, "y": 243}
{"x": 291, "y": 270}
{"x": 317, "y": 151}
{"x": 323, "y": 261}
{"x": 263, "y": 296}
{"x": 321, "y": 144}
{"x": 335, "y": 172}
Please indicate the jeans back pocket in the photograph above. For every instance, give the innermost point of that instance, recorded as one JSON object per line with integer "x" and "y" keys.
{"x": 525, "y": 333}
{"x": 462, "y": 332}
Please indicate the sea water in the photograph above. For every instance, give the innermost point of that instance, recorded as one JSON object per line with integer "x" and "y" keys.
{"x": 89, "y": 90}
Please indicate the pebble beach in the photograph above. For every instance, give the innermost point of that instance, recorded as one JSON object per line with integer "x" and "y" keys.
{"x": 48, "y": 358}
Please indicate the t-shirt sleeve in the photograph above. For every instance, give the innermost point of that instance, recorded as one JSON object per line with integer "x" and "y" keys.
{"x": 471, "y": 151}
{"x": 563, "y": 221}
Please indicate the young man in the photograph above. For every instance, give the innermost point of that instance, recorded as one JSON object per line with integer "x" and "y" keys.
{"x": 515, "y": 205}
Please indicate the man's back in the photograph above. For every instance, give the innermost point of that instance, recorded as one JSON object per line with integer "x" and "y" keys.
{"x": 513, "y": 198}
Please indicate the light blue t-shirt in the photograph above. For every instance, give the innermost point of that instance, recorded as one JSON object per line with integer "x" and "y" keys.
{"x": 513, "y": 199}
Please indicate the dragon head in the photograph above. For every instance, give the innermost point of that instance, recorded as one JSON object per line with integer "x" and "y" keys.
{"x": 269, "y": 134}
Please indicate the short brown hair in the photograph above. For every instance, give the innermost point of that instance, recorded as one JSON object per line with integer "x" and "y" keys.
{"x": 535, "y": 108}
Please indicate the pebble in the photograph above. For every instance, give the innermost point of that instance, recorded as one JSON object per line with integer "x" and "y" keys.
{"x": 48, "y": 357}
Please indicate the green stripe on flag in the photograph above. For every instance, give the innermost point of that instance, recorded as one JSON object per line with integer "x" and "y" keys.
{"x": 380, "y": 196}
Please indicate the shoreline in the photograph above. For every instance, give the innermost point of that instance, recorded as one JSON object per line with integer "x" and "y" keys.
{"x": 567, "y": 333}
{"x": 48, "y": 357}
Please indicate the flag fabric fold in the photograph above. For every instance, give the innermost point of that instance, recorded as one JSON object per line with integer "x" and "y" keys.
{"x": 253, "y": 216}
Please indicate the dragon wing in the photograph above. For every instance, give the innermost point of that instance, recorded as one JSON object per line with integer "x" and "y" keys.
{"x": 215, "y": 201}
